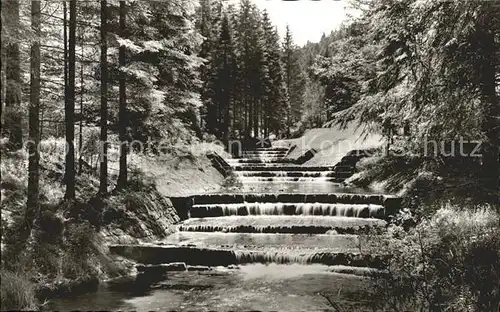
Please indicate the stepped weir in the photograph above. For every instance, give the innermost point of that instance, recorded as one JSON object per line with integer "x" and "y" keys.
{"x": 284, "y": 213}
{"x": 261, "y": 216}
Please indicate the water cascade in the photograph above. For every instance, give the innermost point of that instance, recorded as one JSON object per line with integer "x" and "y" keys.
{"x": 321, "y": 209}
{"x": 317, "y": 221}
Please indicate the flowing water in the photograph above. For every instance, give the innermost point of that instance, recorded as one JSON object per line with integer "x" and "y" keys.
{"x": 289, "y": 233}
{"x": 262, "y": 240}
{"x": 306, "y": 209}
{"x": 251, "y": 287}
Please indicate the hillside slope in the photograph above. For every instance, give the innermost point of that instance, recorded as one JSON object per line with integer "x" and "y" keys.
{"x": 332, "y": 143}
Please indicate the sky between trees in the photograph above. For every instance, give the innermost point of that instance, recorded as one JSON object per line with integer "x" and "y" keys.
{"x": 308, "y": 20}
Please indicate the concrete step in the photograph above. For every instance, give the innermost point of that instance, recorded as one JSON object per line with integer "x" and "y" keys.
{"x": 273, "y": 160}
{"x": 341, "y": 198}
{"x": 291, "y": 179}
{"x": 184, "y": 256}
{"x": 281, "y": 224}
{"x": 275, "y": 149}
{"x": 334, "y": 242}
{"x": 277, "y": 173}
{"x": 279, "y": 167}
{"x": 265, "y": 153}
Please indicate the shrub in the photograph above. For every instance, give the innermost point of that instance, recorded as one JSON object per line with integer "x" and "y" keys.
{"x": 79, "y": 250}
{"x": 17, "y": 292}
{"x": 450, "y": 262}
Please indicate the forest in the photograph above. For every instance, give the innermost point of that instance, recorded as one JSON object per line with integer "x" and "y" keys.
{"x": 81, "y": 81}
{"x": 118, "y": 72}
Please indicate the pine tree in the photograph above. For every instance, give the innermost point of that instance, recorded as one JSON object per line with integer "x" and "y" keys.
{"x": 206, "y": 27}
{"x": 122, "y": 115}
{"x": 275, "y": 97}
{"x": 223, "y": 78}
{"x": 2, "y": 64}
{"x": 13, "y": 111}
{"x": 294, "y": 79}
{"x": 103, "y": 176}
{"x": 70, "y": 107}
{"x": 34, "y": 110}
{"x": 249, "y": 49}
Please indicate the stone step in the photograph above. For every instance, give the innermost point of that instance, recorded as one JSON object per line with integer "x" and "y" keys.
{"x": 332, "y": 242}
{"x": 258, "y": 160}
{"x": 263, "y": 158}
{"x": 184, "y": 256}
{"x": 277, "y": 173}
{"x": 272, "y": 160}
{"x": 292, "y": 179}
{"x": 265, "y": 153}
{"x": 281, "y": 224}
{"x": 340, "y": 198}
{"x": 278, "y": 167}
{"x": 319, "y": 209}
{"x": 276, "y": 149}
{"x": 294, "y": 187}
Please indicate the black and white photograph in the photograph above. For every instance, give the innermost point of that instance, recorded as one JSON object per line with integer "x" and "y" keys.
{"x": 250, "y": 155}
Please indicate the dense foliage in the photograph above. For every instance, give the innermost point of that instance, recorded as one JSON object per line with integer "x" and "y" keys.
{"x": 428, "y": 68}
{"x": 450, "y": 262}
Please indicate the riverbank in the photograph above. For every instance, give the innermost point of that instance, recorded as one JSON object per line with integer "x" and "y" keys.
{"x": 66, "y": 251}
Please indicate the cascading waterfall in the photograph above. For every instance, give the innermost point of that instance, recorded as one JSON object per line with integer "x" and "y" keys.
{"x": 322, "y": 209}
{"x": 281, "y": 224}
{"x": 300, "y": 223}
{"x": 306, "y": 257}
{"x": 270, "y": 160}
{"x": 282, "y": 174}
{"x": 281, "y": 256}
{"x": 287, "y": 179}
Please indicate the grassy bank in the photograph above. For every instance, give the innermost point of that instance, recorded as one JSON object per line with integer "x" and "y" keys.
{"x": 66, "y": 250}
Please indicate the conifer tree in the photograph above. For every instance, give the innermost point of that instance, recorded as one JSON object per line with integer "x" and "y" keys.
{"x": 12, "y": 123}
{"x": 122, "y": 114}
{"x": 275, "y": 95}
{"x": 34, "y": 111}
{"x": 103, "y": 177}
{"x": 70, "y": 105}
{"x": 294, "y": 79}
{"x": 222, "y": 79}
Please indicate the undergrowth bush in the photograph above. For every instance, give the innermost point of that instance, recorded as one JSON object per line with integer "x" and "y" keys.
{"x": 17, "y": 292}
{"x": 79, "y": 250}
{"x": 450, "y": 262}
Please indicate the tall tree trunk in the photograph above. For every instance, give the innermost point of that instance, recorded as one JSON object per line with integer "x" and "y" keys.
{"x": 65, "y": 46}
{"x": 491, "y": 112}
{"x": 2, "y": 69}
{"x": 40, "y": 124}
{"x": 249, "y": 114}
{"x": 80, "y": 134}
{"x": 12, "y": 114}
{"x": 122, "y": 114}
{"x": 70, "y": 104}
{"x": 256, "y": 118}
{"x": 32, "y": 205}
{"x": 103, "y": 180}
{"x": 245, "y": 125}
